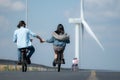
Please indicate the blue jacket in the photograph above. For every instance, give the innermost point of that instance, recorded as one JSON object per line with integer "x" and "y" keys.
{"x": 61, "y": 42}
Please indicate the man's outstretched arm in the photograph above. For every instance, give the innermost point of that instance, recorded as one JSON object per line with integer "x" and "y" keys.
{"x": 38, "y": 37}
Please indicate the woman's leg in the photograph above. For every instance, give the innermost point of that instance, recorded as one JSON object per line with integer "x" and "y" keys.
{"x": 63, "y": 58}
{"x": 62, "y": 55}
{"x": 62, "y": 52}
{"x": 55, "y": 56}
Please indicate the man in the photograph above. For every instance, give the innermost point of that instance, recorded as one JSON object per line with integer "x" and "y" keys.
{"x": 22, "y": 38}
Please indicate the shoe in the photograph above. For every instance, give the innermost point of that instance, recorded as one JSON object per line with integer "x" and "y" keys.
{"x": 54, "y": 63}
{"x": 63, "y": 61}
{"x": 28, "y": 60}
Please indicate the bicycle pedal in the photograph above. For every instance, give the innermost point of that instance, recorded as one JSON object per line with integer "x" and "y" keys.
{"x": 56, "y": 62}
{"x": 61, "y": 62}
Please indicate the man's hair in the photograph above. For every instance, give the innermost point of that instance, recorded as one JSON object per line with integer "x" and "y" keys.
{"x": 21, "y": 23}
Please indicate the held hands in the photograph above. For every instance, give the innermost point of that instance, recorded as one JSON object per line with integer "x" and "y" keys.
{"x": 42, "y": 40}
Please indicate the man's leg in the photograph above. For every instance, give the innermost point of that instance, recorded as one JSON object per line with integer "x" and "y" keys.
{"x": 19, "y": 56}
{"x": 31, "y": 51}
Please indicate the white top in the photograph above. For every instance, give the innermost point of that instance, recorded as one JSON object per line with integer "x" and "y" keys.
{"x": 22, "y": 37}
{"x": 75, "y": 61}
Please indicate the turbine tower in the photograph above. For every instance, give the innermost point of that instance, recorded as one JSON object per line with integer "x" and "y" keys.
{"x": 80, "y": 25}
{"x": 26, "y": 13}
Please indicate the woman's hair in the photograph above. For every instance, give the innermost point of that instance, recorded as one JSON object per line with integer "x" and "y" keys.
{"x": 21, "y": 23}
{"x": 60, "y": 29}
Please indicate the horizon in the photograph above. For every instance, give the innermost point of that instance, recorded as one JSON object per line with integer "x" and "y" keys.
{"x": 12, "y": 62}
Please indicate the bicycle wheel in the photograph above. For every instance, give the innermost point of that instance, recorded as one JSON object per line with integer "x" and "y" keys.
{"x": 59, "y": 62}
{"x": 59, "y": 66}
{"x": 24, "y": 63}
{"x": 24, "y": 67}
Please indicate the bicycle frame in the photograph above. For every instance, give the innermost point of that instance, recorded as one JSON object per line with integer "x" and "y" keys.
{"x": 24, "y": 59}
{"x": 59, "y": 61}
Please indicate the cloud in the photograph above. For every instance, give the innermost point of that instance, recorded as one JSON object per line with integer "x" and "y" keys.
{"x": 104, "y": 4}
{"x": 66, "y": 14}
{"x": 4, "y": 23}
{"x": 107, "y": 8}
{"x": 18, "y": 6}
{"x": 14, "y": 5}
{"x": 99, "y": 2}
{"x": 94, "y": 9}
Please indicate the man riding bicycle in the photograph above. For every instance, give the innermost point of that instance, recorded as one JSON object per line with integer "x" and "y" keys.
{"x": 22, "y": 38}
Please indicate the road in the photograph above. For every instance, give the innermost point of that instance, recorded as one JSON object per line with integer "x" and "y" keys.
{"x": 63, "y": 75}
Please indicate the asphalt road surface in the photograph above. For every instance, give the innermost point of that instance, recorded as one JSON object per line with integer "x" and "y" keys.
{"x": 63, "y": 75}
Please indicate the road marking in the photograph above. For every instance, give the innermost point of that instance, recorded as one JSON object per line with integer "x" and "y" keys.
{"x": 92, "y": 76}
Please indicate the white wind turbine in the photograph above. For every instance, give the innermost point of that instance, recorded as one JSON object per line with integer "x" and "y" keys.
{"x": 81, "y": 24}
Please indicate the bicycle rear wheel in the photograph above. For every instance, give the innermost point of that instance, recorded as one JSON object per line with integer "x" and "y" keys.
{"x": 24, "y": 63}
{"x": 24, "y": 67}
{"x": 59, "y": 62}
{"x": 59, "y": 66}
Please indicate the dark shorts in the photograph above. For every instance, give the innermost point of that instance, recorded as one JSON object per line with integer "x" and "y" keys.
{"x": 58, "y": 49}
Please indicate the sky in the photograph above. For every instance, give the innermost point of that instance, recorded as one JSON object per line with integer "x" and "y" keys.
{"x": 44, "y": 16}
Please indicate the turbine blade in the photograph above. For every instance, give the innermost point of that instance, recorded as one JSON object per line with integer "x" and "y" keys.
{"x": 91, "y": 33}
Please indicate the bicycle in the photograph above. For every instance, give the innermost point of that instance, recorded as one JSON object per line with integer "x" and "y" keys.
{"x": 75, "y": 67}
{"x": 24, "y": 59}
{"x": 59, "y": 60}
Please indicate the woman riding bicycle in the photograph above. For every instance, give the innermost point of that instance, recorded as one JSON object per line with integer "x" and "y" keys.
{"x": 59, "y": 39}
{"x": 22, "y": 38}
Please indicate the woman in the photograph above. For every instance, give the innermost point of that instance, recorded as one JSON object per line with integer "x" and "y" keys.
{"x": 59, "y": 39}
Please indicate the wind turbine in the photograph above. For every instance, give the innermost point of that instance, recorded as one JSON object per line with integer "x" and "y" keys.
{"x": 80, "y": 25}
